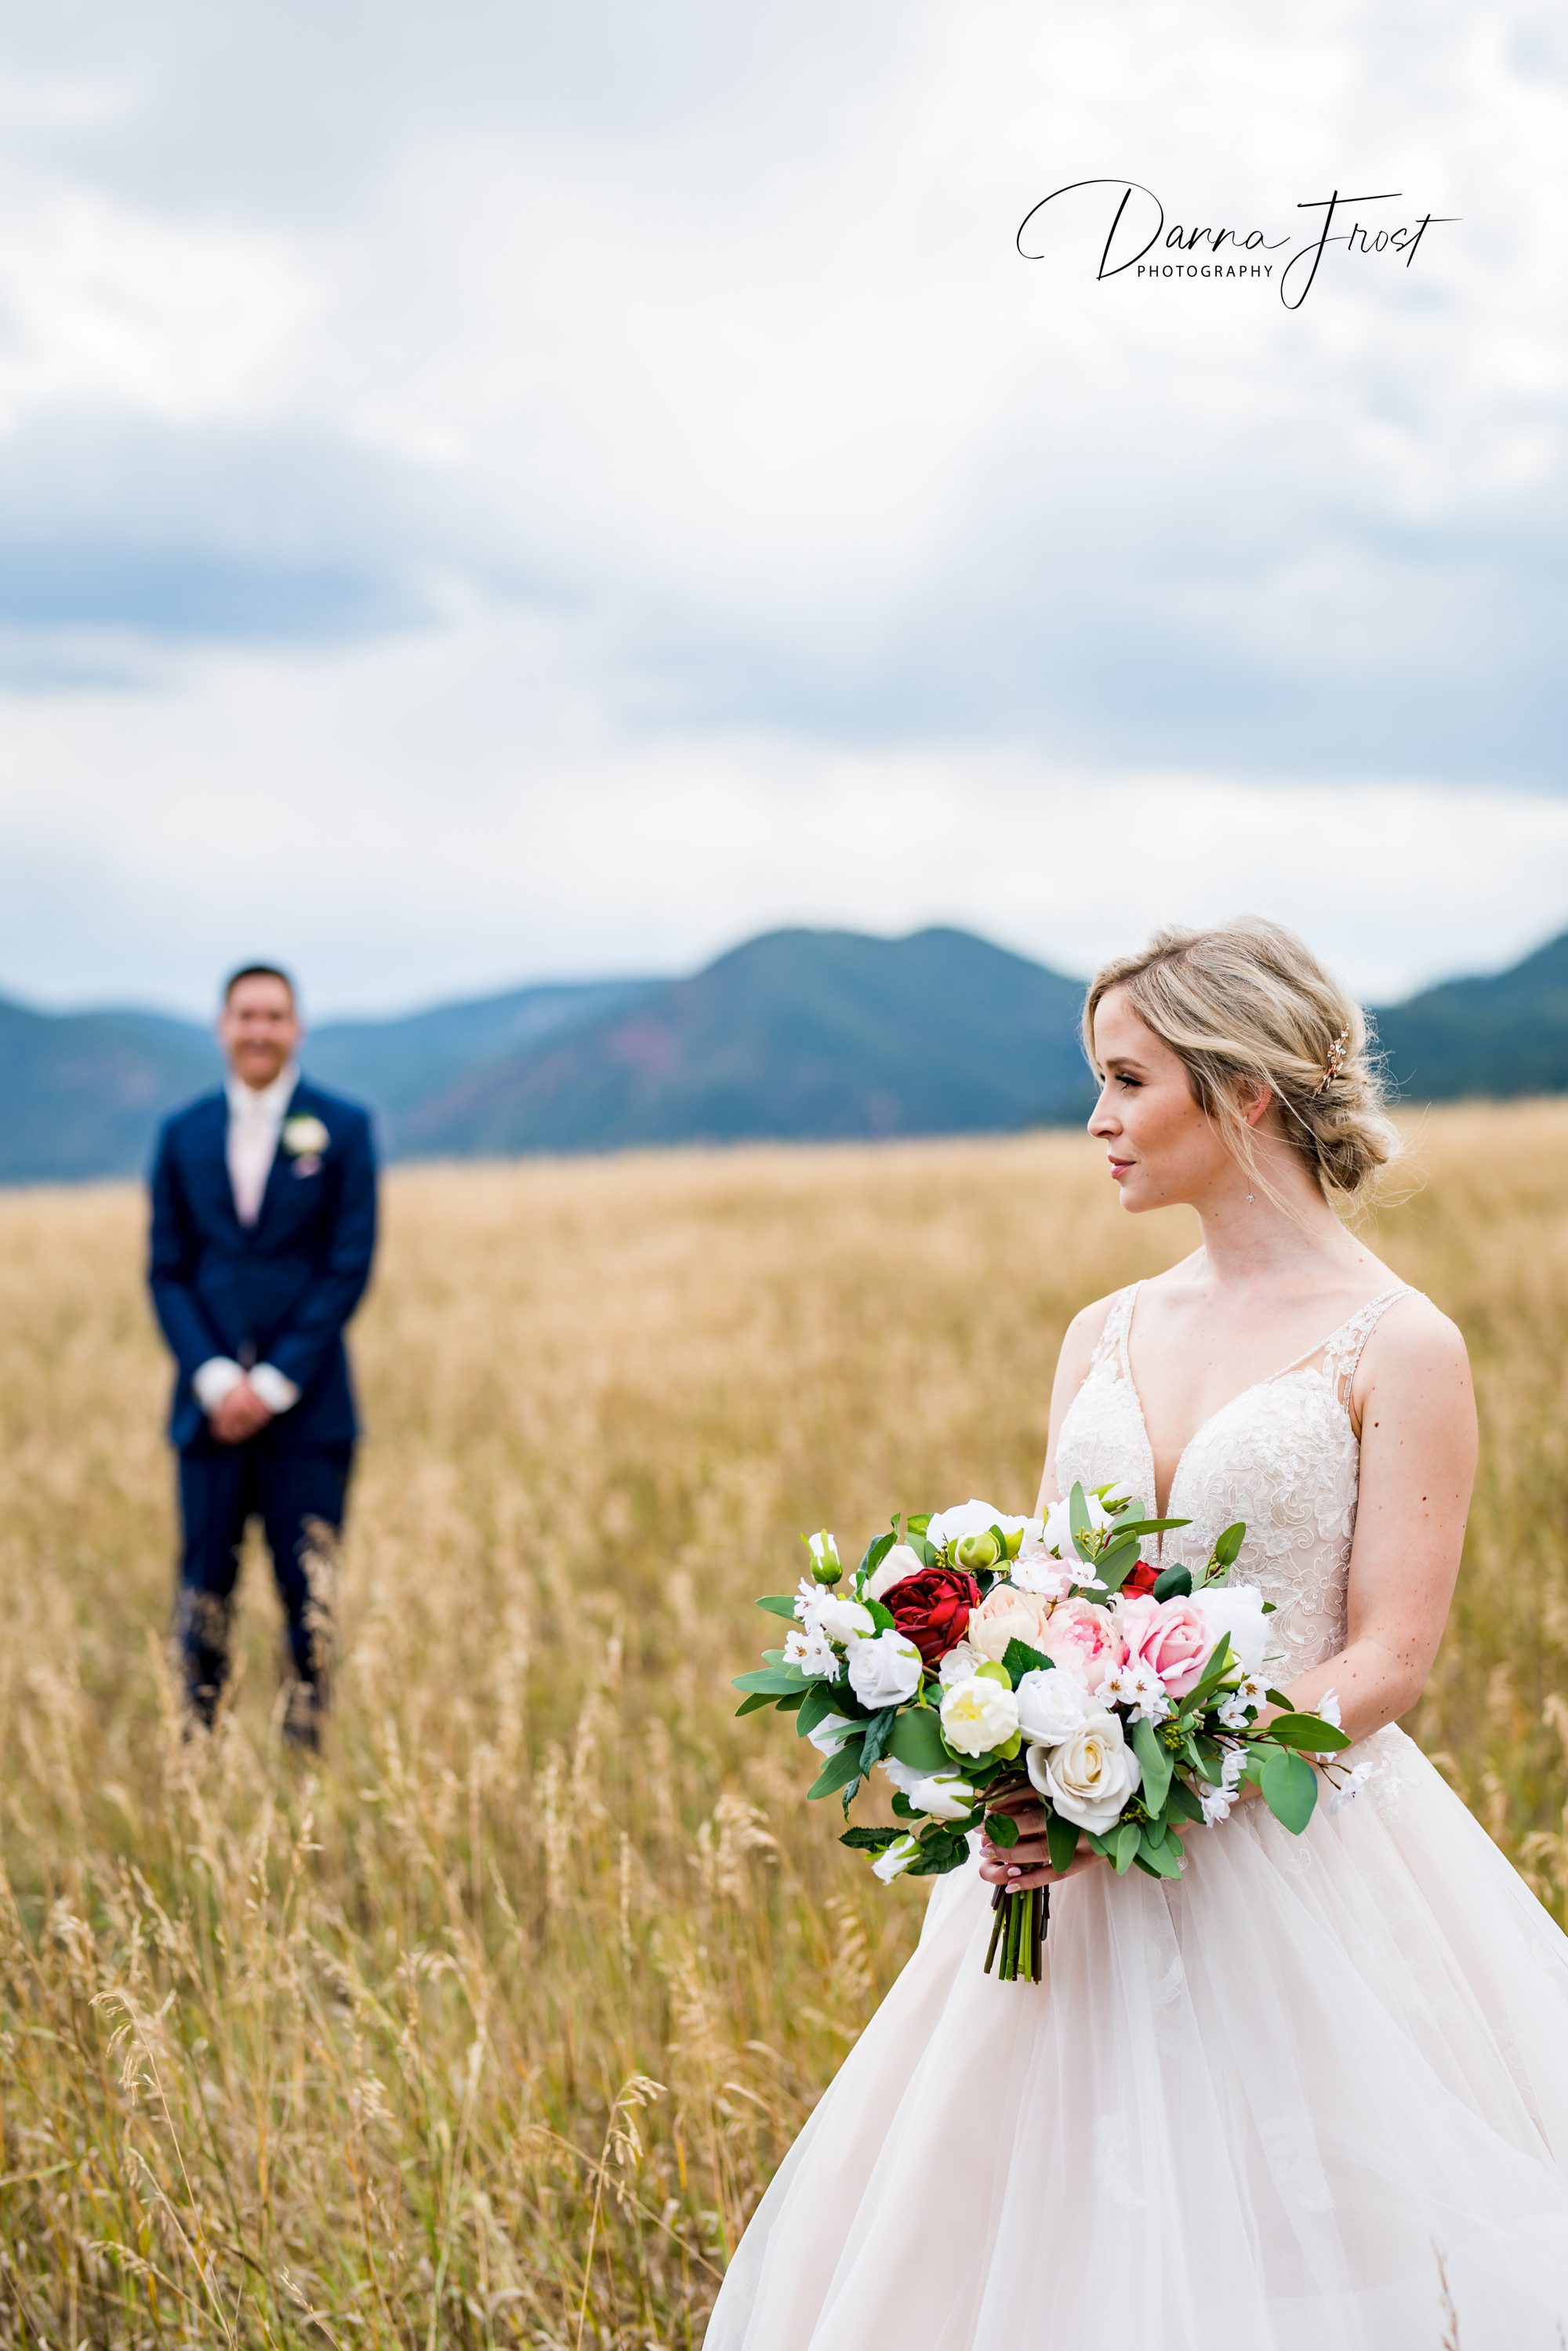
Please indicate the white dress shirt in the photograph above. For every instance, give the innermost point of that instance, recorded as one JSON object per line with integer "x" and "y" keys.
{"x": 256, "y": 1121}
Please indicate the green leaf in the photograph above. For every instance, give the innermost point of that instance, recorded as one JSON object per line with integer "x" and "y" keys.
{"x": 926, "y": 1553}
{"x": 1213, "y": 1674}
{"x": 779, "y": 1604}
{"x": 1226, "y": 1549}
{"x": 1019, "y": 1659}
{"x": 1149, "y": 1526}
{"x": 793, "y": 1702}
{"x": 1078, "y": 1519}
{"x": 1155, "y": 1759}
{"x": 1309, "y": 1731}
{"x": 1124, "y": 1843}
{"x": 1174, "y": 1583}
{"x": 820, "y": 1700}
{"x": 1290, "y": 1787}
{"x": 938, "y": 1855}
{"x": 878, "y": 1731}
{"x": 1183, "y": 1803}
{"x": 1062, "y": 1836}
{"x": 1162, "y": 1853}
{"x": 1001, "y": 1828}
{"x": 749, "y": 1705}
{"x": 838, "y": 1769}
{"x": 917, "y": 1522}
{"x": 871, "y": 1840}
{"x": 771, "y": 1681}
{"x": 875, "y": 1552}
{"x": 916, "y": 1739}
{"x": 1115, "y": 1565}
{"x": 881, "y": 1617}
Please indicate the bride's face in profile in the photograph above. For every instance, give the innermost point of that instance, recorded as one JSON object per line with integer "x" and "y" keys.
{"x": 1161, "y": 1145}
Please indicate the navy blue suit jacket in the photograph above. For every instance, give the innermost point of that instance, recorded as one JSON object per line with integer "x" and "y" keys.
{"x": 277, "y": 1291}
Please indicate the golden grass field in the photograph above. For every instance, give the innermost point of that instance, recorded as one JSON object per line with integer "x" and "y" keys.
{"x": 490, "y": 2028}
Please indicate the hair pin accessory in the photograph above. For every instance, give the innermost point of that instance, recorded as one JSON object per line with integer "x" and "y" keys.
{"x": 1333, "y": 1066}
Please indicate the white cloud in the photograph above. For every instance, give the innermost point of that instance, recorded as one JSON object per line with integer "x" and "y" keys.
{"x": 788, "y": 546}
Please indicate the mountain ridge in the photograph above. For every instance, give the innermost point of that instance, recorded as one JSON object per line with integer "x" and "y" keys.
{"x": 797, "y": 1034}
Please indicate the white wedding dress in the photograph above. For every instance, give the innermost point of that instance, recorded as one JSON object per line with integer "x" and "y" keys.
{"x": 1272, "y": 2104}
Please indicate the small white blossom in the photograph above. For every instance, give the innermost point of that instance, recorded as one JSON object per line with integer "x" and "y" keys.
{"x": 813, "y": 1653}
{"x": 1039, "y": 1572}
{"x": 1137, "y": 1686}
{"x": 1217, "y": 1802}
{"x": 1246, "y": 1698}
{"x": 1350, "y": 1787}
{"x": 1328, "y": 1710}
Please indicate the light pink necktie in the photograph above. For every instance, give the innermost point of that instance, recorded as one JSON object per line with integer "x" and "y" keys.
{"x": 250, "y": 1160}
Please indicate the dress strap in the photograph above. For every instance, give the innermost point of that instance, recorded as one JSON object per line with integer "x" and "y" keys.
{"x": 1111, "y": 1346}
{"x": 1344, "y": 1350}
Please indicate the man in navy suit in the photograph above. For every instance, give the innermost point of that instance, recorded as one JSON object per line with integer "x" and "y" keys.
{"x": 264, "y": 1221}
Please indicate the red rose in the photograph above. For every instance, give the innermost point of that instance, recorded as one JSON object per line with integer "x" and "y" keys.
{"x": 1143, "y": 1578}
{"x": 933, "y": 1609}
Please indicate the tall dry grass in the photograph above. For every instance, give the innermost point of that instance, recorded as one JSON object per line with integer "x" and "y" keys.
{"x": 490, "y": 2029}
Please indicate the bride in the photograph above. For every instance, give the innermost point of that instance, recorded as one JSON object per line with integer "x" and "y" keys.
{"x": 1312, "y": 2095}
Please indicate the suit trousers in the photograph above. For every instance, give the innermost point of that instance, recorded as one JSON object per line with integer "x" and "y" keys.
{"x": 298, "y": 1493}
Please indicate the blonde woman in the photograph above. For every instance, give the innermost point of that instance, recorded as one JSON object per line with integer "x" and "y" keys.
{"x": 1312, "y": 2096}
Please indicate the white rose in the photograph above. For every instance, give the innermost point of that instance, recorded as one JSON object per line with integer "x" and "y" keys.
{"x": 946, "y": 1795}
{"x": 1053, "y": 1704}
{"x": 978, "y": 1715}
{"x": 1059, "y": 1525}
{"x": 1090, "y": 1776}
{"x": 828, "y": 1736}
{"x": 900, "y": 1562}
{"x": 895, "y": 1859}
{"x": 845, "y": 1620}
{"x": 1236, "y": 1609}
{"x": 974, "y": 1518}
{"x": 885, "y": 1670}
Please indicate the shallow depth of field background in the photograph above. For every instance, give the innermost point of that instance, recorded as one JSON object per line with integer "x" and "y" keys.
{"x": 490, "y": 2029}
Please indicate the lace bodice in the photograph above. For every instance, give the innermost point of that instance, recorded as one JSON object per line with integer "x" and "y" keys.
{"x": 1282, "y": 1455}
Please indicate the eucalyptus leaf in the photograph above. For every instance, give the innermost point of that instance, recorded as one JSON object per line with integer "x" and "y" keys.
{"x": 916, "y": 1739}
{"x": 1062, "y": 1836}
{"x": 1124, "y": 1840}
{"x": 1155, "y": 1759}
{"x": 1290, "y": 1787}
{"x": 1308, "y": 1731}
{"x": 838, "y": 1769}
{"x": 1174, "y": 1582}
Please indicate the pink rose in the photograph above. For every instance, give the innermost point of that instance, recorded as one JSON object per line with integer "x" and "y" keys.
{"x": 1170, "y": 1636}
{"x": 1084, "y": 1641}
{"x": 1005, "y": 1614}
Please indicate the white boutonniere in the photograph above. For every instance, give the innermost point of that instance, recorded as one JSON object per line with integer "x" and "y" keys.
{"x": 304, "y": 1137}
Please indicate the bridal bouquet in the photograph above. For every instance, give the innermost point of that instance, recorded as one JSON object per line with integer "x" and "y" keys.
{"x": 976, "y": 1656}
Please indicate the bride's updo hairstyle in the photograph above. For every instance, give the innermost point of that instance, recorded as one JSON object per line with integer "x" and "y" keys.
{"x": 1248, "y": 1005}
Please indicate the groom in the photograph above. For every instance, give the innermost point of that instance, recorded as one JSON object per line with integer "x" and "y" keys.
{"x": 263, "y": 1215}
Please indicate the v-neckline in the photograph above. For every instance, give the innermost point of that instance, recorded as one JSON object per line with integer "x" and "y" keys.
{"x": 1297, "y": 1363}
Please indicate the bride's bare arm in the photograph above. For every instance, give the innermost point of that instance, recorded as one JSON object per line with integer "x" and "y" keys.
{"x": 1417, "y": 1415}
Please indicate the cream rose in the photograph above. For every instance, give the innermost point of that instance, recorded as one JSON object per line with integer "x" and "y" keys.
{"x": 1007, "y": 1614}
{"x": 1090, "y": 1776}
{"x": 845, "y": 1620}
{"x": 895, "y": 1859}
{"x": 979, "y": 1714}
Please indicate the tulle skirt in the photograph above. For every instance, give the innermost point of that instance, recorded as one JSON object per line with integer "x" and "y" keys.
{"x": 1314, "y": 2096}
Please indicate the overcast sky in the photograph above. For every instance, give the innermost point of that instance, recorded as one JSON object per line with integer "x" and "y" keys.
{"x": 511, "y": 491}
